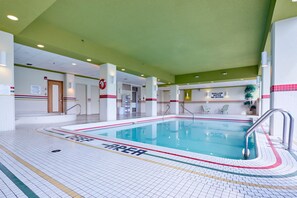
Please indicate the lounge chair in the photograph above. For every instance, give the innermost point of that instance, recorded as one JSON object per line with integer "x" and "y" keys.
{"x": 224, "y": 109}
{"x": 205, "y": 109}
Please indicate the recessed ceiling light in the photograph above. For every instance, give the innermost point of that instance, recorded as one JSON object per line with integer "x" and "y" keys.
{"x": 73, "y": 63}
{"x": 142, "y": 75}
{"x": 11, "y": 17}
{"x": 89, "y": 60}
{"x": 123, "y": 69}
{"x": 197, "y": 76}
{"x": 224, "y": 73}
{"x": 40, "y": 46}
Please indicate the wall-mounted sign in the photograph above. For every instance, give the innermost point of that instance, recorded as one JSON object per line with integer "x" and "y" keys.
{"x": 217, "y": 95}
{"x": 102, "y": 84}
{"x": 35, "y": 90}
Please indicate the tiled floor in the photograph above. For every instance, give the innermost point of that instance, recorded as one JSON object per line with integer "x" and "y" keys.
{"x": 88, "y": 167}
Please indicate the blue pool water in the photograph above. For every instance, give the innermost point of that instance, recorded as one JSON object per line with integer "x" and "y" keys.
{"x": 217, "y": 138}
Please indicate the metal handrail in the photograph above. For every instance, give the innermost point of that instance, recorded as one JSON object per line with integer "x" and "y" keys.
{"x": 264, "y": 117}
{"x": 183, "y": 106}
{"x": 73, "y": 107}
{"x": 168, "y": 107}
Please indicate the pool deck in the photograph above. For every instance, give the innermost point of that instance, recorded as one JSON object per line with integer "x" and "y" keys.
{"x": 88, "y": 166}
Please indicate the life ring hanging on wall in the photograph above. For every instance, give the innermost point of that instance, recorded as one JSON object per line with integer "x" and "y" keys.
{"x": 102, "y": 84}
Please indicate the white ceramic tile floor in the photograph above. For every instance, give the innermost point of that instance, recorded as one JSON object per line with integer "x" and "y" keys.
{"x": 92, "y": 171}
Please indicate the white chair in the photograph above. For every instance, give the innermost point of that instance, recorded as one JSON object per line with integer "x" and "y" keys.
{"x": 205, "y": 109}
{"x": 224, "y": 109}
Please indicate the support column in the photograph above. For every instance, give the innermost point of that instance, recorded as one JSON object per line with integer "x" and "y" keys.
{"x": 108, "y": 94}
{"x": 69, "y": 94}
{"x": 174, "y": 99}
{"x": 7, "y": 102}
{"x": 151, "y": 96}
{"x": 284, "y": 70}
{"x": 265, "y": 89}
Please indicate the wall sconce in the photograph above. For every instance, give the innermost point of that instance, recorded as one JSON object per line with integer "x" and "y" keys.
{"x": 264, "y": 59}
{"x": 70, "y": 85}
{"x": 3, "y": 58}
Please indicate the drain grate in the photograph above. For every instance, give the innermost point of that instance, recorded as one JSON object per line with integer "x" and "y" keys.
{"x": 56, "y": 151}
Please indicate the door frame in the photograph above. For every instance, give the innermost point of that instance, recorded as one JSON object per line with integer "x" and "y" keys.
{"x": 50, "y": 84}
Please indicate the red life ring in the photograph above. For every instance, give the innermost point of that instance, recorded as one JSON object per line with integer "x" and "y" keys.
{"x": 102, "y": 84}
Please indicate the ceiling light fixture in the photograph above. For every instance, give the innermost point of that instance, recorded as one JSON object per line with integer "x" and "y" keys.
{"x": 123, "y": 69}
{"x": 224, "y": 73}
{"x": 11, "y": 17}
{"x": 197, "y": 76}
{"x": 89, "y": 60}
{"x": 73, "y": 63}
{"x": 40, "y": 46}
{"x": 142, "y": 75}
{"x": 294, "y": 1}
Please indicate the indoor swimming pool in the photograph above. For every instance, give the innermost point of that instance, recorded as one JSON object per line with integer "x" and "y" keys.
{"x": 211, "y": 137}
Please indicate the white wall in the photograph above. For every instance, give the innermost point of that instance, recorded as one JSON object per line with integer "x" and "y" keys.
{"x": 7, "y": 104}
{"x": 234, "y": 99}
{"x": 26, "y": 102}
{"x": 284, "y": 70}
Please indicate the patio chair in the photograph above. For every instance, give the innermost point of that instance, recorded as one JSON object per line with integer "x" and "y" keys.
{"x": 224, "y": 109}
{"x": 205, "y": 109}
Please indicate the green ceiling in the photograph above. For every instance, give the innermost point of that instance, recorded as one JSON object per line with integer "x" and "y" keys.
{"x": 167, "y": 39}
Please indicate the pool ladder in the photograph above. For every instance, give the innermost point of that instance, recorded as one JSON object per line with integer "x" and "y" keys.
{"x": 183, "y": 106}
{"x": 264, "y": 117}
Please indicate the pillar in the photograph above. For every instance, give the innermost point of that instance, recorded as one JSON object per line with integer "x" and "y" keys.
{"x": 174, "y": 99}
{"x": 7, "y": 102}
{"x": 284, "y": 69}
{"x": 69, "y": 94}
{"x": 151, "y": 96}
{"x": 108, "y": 94}
{"x": 265, "y": 89}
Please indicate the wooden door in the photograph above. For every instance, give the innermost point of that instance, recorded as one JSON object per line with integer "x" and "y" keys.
{"x": 55, "y": 96}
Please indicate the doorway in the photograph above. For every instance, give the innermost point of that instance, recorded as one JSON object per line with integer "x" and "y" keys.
{"x": 94, "y": 100}
{"x": 81, "y": 97}
{"x": 55, "y": 96}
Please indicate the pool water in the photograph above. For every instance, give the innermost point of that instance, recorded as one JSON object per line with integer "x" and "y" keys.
{"x": 218, "y": 138}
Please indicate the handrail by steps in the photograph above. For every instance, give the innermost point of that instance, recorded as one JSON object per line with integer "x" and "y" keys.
{"x": 168, "y": 107}
{"x": 264, "y": 117}
{"x": 183, "y": 106}
{"x": 73, "y": 107}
